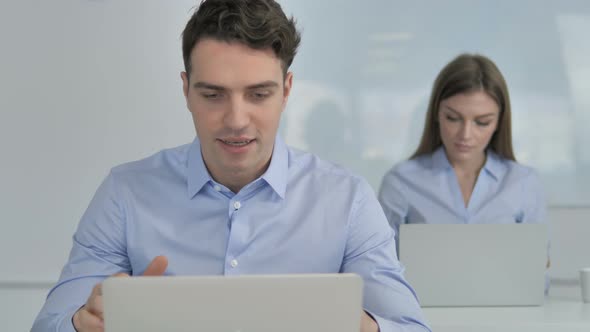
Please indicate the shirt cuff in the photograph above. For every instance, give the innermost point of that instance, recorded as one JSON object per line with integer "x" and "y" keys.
{"x": 66, "y": 324}
{"x": 376, "y": 318}
{"x": 386, "y": 325}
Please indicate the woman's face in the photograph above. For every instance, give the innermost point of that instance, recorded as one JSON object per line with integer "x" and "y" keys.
{"x": 467, "y": 123}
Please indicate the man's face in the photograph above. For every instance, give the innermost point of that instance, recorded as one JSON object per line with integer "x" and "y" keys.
{"x": 236, "y": 96}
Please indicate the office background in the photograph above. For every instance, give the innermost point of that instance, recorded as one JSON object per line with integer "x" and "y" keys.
{"x": 89, "y": 84}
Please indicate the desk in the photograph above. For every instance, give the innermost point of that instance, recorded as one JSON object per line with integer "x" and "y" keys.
{"x": 563, "y": 311}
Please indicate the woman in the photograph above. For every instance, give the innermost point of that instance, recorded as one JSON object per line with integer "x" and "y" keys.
{"x": 464, "y": 170}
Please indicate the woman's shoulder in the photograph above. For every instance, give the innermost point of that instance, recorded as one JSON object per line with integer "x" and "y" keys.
{"x": 415, "y": 170}
{"x": 409, "y": 166}
{"x": 515, "y": 169}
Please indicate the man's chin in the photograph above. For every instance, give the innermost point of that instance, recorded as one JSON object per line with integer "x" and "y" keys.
{"x": 241, "y": 168}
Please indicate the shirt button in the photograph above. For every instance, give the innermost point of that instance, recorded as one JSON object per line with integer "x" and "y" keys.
{"x": 217, "y": 188}
{"x": 237, "y": 205}
{"x": 233, "y": 263}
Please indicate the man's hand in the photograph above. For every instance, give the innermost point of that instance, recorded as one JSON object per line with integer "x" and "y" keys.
{"x": 89, "y": 318}
{"x": 368, "y": 324}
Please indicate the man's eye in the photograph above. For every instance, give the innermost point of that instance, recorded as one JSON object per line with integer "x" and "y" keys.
{"x": 211, "y": 95}
{"x": 259, "y": 95}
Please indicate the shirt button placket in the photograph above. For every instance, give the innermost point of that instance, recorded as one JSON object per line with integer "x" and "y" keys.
{"x": 233, "y": 263}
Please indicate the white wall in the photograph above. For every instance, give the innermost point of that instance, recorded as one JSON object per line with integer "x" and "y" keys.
{"x": 85, "y": 85}
{"x": 19, "y": 306}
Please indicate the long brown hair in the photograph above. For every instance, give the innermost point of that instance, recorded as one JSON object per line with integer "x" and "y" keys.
{"x": 469, "y": 73}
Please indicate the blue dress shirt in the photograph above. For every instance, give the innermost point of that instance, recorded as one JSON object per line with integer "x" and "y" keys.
{"x": 303, "y": 215}
{"x": 426, "y": 190}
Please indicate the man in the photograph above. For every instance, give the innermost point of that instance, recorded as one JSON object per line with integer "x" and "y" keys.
{"x": 237, "y": 200}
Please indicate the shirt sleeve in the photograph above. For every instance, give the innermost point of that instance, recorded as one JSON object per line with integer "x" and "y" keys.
{"x": 370, "y": 253}
{"x": 393, "y": 201}
{"x": 98, "y": 251}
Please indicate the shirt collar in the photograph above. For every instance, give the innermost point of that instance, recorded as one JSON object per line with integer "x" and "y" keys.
{"x": 198, "y": 175}
{"x": 275, "y": 175}
{"x": 439, "y": 159}
{"x": 277, "y": 172}
{"x": 493, "y": 166}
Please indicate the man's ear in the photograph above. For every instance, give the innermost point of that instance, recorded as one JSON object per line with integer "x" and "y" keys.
{"x": 288, "y": 84}
{"x": 185, "y": 83}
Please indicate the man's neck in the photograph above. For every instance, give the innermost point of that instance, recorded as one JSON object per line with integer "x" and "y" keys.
{"x": 235, "y": 181}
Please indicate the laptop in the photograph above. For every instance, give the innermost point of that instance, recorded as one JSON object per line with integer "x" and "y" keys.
{"x": 252, "y": 303}
{"x": 475, "y": 264}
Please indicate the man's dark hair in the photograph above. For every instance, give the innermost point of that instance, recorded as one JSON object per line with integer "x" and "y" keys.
{"x": 258, "y": 24}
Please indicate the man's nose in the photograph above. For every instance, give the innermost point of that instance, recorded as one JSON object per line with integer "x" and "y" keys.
{"x": 237, "y": 116}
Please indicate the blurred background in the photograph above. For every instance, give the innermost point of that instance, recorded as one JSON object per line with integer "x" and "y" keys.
{"x": 86, "y": 85}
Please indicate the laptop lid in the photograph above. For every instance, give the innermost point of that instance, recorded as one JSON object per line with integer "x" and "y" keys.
{"x": 475, "y": 264}
{"x": 252, "y": 303}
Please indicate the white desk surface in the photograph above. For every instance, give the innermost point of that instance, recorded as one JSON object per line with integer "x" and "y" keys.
{"x": 563, "y": 311}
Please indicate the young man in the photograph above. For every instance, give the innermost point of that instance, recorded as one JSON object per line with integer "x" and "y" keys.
{"x": 237, "y": 200}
